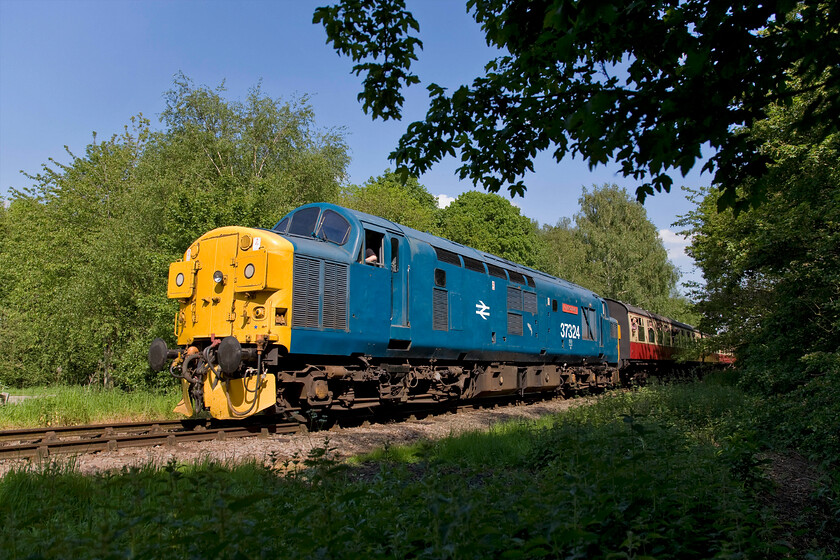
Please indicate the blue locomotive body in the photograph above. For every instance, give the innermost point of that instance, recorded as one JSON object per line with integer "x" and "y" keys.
{"x": 424, "y": 297}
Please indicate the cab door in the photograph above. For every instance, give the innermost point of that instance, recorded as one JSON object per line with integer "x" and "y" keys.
{"x": 398, "y": 253}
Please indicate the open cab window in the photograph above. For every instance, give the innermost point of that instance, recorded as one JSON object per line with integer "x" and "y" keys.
{"x": 371, "y": 251}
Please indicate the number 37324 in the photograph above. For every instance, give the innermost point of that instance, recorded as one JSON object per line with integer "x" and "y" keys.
{"x": 569, "y": 331}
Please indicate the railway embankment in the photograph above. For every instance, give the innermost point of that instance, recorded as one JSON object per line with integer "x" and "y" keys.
{"x": 679, "y": 471}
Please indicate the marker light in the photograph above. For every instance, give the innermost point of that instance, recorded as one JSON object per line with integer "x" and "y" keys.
{"x": 249, "y": 270}
{"x": 218, "y": 277}
{"x": 179, "y": 280}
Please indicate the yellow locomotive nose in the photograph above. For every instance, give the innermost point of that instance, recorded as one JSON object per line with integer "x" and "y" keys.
{"x": 227, "y": 281}
{"x": 231, "y": 284}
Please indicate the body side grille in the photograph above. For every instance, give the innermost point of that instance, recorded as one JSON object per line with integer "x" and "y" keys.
{"x": 440, "y": 310}
{"x": 306, "y": 290}
{"x": 335, "y": 296}
{"x": 515, "y": 324}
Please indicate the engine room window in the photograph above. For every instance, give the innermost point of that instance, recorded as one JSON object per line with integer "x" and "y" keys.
{"x": 554, "y": 305}
{"x": 281, "y": 227}
{"x": 473, "y": 264}
{"x": 447, "y": 256}
{"x": 496, "y": 271}
{"x": 334, "y": 228}
{"x": 516, "y": 277}
{"x": 440, "y": 278}
{"x": 303, "y": 221}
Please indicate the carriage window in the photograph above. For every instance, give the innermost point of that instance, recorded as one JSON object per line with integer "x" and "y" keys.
{"x": 372, "y": 250}
{"x": 651, "y": 335}
{"x": 303, "y": 221}
{"x": 640, "y": 331}
{"x": 473, "y": 264}
{"x": 334, "y": 227}
{"x": 281, "y": 227}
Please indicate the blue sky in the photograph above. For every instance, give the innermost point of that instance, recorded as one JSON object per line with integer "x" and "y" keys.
{"x": 71, "y": 67}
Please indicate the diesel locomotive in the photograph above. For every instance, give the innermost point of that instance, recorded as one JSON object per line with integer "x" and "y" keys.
{"x": 337, "y": 309}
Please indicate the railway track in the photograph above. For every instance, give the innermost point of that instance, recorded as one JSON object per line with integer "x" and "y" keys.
{"x": 27, "y": 443}
{"x": 30, "y": 443}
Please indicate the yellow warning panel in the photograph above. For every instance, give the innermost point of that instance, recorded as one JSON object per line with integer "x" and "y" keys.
{"x": 239, "y": 398}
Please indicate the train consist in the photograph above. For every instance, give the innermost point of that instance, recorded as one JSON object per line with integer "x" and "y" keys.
{"x": 336, "y": 309}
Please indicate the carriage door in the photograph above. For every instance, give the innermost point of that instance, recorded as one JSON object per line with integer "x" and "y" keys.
{"x": 399, "y": 290}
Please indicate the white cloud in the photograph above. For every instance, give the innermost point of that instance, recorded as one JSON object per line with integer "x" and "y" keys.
{"x": 443, "y": 200}
{"x": 675, "y": 244}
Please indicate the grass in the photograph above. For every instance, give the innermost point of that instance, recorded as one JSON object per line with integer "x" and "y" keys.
{"x": 58, "y": 406}
{"x": 662, "y": 472}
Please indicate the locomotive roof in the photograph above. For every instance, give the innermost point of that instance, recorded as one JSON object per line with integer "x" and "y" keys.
{"x": 465, "y": 250}
{"x": 446, "y": 244}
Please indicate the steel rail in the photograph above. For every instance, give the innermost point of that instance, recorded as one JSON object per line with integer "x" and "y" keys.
{"x": 87, "y": 430}
{"x": 42, "y": 442}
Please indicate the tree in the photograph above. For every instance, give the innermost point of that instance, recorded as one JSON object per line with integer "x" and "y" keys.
{"x": 624, "y": 253}
{"x": 409, "y": 204}
{"x": 86, "y": 250}
{"x": 645, "y": 84}
{"x": 614, "y": 250}
{"x": 772, "y": 274}
{"x": 491, "y": 223}
{"x": 231, "y": 162}
{"x": 568, "y": 252}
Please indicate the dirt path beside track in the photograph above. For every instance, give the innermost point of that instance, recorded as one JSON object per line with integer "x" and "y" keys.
{"x": 278, "y": 449}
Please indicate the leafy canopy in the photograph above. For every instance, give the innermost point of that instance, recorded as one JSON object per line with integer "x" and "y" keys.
{"x": 645, "y": 84}
{"x": 491, "y": 223}
{"x": 85, "y": 252}
{"x": 772, "y": 274}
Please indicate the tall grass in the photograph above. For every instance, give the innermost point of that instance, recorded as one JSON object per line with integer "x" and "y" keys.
{"x": 63, "y": 405}
{"x": 657, "y": 473}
